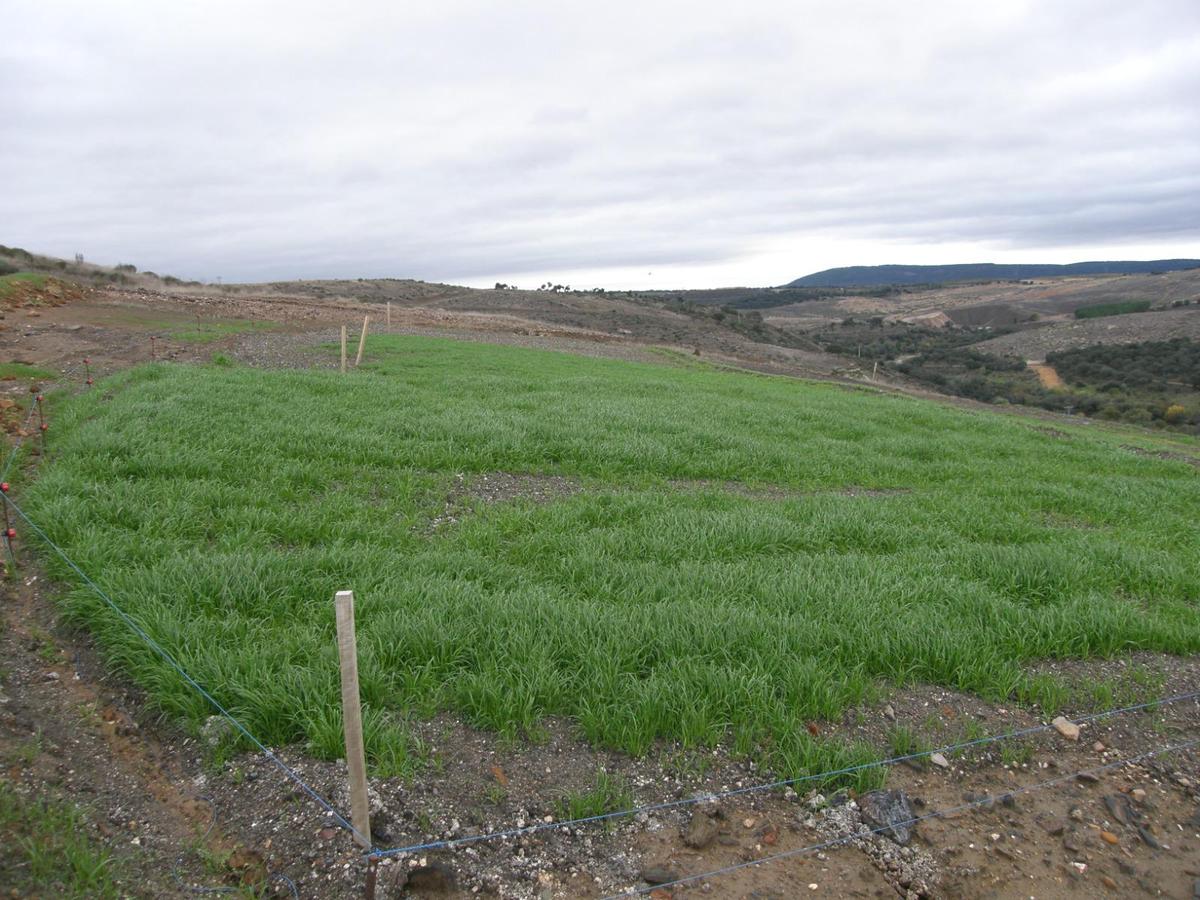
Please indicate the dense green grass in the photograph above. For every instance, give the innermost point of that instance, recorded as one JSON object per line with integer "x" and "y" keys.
{"x": 224, "y": 506}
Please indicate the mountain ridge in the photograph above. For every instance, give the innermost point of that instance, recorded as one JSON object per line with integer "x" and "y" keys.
{"x": 898, "y": 274}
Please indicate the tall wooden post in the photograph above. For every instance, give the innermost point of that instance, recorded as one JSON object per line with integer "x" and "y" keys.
{"x": 362, "y": 342}
{"x": 360, "y": 810}
{"x": 343, "y": 348}
{"x": 389, "y": 314}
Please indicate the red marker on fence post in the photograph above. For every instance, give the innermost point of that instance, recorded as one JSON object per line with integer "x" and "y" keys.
{"x": 9, "y": 532}
{"x": 87, "y": 365}
{"x": 42, "y": 426}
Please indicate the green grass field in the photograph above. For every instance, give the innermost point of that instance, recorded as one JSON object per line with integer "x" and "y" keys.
{"x": 224, "y": 506}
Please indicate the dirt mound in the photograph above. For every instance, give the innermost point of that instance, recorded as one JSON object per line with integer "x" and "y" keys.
{"x": 33, "y": 291}
{"x": 12, "y": 416}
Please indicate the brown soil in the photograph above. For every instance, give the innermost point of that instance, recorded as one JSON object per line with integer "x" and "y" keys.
{"x": 69, "y": 734}
{"x": 33, "y": 298}
{"x": 177, "y": 821}
{"x": 1046, "y": 375}
{"x": 500, "y": 487}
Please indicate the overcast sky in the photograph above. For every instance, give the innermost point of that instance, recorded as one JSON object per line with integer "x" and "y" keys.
{"x": 619, "y": 144}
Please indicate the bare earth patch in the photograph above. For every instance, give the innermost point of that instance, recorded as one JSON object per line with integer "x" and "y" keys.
{"x": 501, "y": 487}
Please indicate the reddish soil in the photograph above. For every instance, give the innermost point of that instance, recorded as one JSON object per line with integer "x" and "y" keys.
{"x": 1046, "y": 375}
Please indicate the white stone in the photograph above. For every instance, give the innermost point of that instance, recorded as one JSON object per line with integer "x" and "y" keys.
{"x": 1066, "y": 728}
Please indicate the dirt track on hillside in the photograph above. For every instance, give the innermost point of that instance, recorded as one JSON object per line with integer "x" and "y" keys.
{"x": 1046, "y": 375}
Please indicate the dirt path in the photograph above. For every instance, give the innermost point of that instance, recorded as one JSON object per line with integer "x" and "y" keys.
{"x": 67, "y": 736}
{"x": 1046, "y": 375}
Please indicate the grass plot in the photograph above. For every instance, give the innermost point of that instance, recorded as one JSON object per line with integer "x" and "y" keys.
{"x": 889, "y": 540}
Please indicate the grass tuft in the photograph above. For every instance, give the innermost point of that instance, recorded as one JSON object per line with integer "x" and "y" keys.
{"x": 48, "y": 852}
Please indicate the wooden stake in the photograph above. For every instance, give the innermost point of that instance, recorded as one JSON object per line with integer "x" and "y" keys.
{"x": 343, "y": 348}
{"x": 875, "y": 371}
{"x": 362, "y": 342}
{"x": 360, "y": 810}
{"x": 389, "y": 314}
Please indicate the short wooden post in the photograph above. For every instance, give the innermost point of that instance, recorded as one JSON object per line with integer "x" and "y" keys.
{"x": 343, "y": 348}
{"x": 389, "y": 314}
{"x": 875, "y": 371}
{"x": 360, "y": 810}
{"x": 362, "y": 342}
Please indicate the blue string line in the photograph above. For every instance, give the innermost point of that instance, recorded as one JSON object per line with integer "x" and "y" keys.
{"x": 849, "y": 770}
{"x": 154, "y": 645}
{"x": 913, "y": 821}
{"x": 20, "y": 440}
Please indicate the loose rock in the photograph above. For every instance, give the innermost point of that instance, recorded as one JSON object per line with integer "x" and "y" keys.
{"x": 890, "y": 812}
{"x": 1148, "y": 839}
{"x": 659, "y": 874}
{"x": 1066, "y": 728}
{"x": 701, "y": 831}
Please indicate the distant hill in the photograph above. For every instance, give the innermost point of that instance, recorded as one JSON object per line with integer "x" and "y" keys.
{"x": 875, "y": 276}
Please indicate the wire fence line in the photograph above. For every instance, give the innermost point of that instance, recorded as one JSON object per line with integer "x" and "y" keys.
{"x": 379, "y": 853}
{"x": 12, "y": 455}
{"x": 22, "y": 432}
{"x": 773, "y": 785}
{"x": 834, "y": 842}
{"x": 161, "y": 651}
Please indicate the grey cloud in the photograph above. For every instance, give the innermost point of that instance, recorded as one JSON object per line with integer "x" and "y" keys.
{"x": 467, "y": 141}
